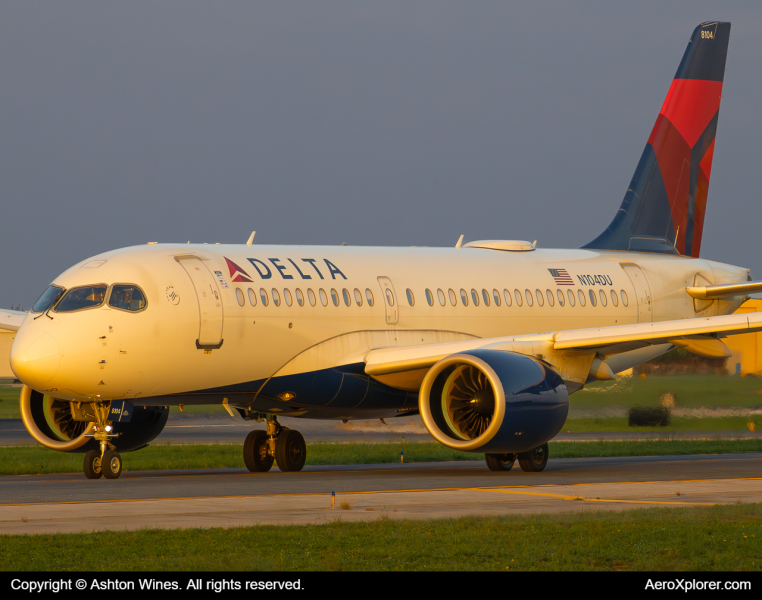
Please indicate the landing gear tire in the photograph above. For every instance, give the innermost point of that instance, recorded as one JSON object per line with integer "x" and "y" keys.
{"x": 290, "y": 450}
{"x": 500, "y": 462}
{"x": 92, "y": 465}
{"x": 111, "y": 464}
{"x": 535, "y": 460}
{"x": 255, "y": 452}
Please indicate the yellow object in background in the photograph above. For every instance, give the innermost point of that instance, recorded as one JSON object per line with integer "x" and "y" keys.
{"x": 746, "y": 346}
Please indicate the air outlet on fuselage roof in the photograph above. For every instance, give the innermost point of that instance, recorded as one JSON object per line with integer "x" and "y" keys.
{"x": 504, "y": 245}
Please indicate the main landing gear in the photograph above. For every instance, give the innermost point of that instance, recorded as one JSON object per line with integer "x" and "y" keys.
{"x": 532, "y": 461}
{"x": 280, "y": 444}
{"x": 106, "y": 461}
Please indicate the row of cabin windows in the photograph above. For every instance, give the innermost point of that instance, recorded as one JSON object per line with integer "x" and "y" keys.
{"x": 538, "y": 296}
{"x": 288, "y": 298}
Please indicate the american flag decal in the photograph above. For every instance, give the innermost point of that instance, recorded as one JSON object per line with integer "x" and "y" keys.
{"x": 561, "y": 277}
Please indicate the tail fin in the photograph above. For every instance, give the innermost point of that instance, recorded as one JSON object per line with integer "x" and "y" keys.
{"x": 663, "y": 209}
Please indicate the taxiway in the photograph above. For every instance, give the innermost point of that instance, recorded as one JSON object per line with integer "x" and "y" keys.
{"x": 235, "y": 497}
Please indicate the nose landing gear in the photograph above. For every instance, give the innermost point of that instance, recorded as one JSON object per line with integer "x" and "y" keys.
{"x": 278, "y": 443}
{"x": 105, "y": 462}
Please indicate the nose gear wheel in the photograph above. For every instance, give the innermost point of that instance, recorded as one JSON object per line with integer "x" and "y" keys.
{"x": 468, "y": 402}
{"x": 92, "y": 464}
{"x": 111, "y": 464}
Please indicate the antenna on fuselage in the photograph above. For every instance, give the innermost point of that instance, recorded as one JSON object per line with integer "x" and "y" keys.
{"x": 250, "y": 241}
{"x": 460, "y": 241}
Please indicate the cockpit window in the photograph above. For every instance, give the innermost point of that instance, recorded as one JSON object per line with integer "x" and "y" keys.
{"x": 48, "y": 299}
{"x": 82, "y": 297}
{"x": 127, "y": 297}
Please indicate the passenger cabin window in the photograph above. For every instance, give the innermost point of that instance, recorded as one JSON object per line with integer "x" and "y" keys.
{"x": 507, "y": 296}
{"x": 323, "y": 297}
{"x": 369, "y": 296}
{"x": 358, "y": 297}
{"x": 614, "y": 298}
{"x": 389, "y": 297}
{"x": 560, "y": 295}
{"x": 252, "y": 297}
{"x": 441, "y": 297}
{"x": 551, "y": 300}
{"x": 311, "y": 297}
{"x": 540, "y": 300}
{"x": 130, "y": 297}
{"x": 335, "y": 297}
{"x": 347, "y": 297}
{"x": 48, "y": 299}
{"x": 453, "y": 297}
{"x": 496, "y": 296}
{"x": 570, "y": 295}
{"x": 276, "y": 297}
{"x": 591, "y": 293}
{"x": 475, "y": 297}
{"x": 528, "y": 295}
{"x": 624, "y": 298}
{"x": 581, "y": 296}
{"x": 463, "y": 297}
{"x": 429, "y": 297}
{"x": 410, "y": 297}
{"x": 83, "y": 297}
{"x": 263, "y": 297}
{"x": 517, "y": 295}
{"x": 287, "y": 296}
{"x": 238, "y": 296}
{"x": 299, "y": 297}
{"x": 602, "y": 294}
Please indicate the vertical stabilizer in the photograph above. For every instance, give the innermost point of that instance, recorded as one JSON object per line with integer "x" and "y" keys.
{"x": 663, "y": 209}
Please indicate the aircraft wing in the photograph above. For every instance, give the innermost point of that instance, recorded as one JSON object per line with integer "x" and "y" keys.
{"x": 10, "y": 320}
{"x": 572, "y": 351}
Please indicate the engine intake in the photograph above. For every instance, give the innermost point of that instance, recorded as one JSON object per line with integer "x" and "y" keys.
{"x": 50, "y": 421}
{"x": 492, "y": 401}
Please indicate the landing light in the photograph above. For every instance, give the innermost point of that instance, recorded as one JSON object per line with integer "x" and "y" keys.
{"x": 109, "y": 428}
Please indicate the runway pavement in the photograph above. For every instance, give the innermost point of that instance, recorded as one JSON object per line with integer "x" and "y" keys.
{"x": 233, "y": 497}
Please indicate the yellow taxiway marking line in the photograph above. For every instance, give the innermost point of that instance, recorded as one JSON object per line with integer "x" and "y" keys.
{"x": 504, "y": 489}
{"x": 562, "y": 497}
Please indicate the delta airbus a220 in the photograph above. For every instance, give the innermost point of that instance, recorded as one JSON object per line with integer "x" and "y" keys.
{"x": 486, "y": 341}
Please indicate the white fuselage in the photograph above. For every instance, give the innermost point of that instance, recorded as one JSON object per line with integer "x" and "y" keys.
{"x": 187, "y": 341}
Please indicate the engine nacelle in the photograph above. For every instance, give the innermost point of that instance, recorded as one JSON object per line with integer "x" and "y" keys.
{"x": 50, "y": 421}
{"x": 493, "y": 402}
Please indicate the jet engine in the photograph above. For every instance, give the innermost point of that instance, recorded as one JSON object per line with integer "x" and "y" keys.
{"x": 51, "y": 421}
{"x": 493, "y": 402}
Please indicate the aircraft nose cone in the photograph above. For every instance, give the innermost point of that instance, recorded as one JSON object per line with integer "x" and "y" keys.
{"x": 35, "y": 361}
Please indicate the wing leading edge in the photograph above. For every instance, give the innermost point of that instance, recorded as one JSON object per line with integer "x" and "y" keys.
{"x": 11, "y": 320}
{"x": 576, "y": 353}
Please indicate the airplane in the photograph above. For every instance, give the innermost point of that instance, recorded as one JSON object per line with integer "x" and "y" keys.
{"x": 486, "y": 340}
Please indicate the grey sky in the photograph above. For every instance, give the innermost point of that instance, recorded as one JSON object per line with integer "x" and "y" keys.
{"x": 382, "y": 123}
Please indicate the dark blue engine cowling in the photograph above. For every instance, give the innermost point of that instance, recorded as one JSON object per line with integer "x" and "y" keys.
{"x": 493, "y": 401}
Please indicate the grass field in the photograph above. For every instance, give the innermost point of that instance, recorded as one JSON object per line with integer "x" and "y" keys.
{"x": 31, "y": 460}
{"x": 692, "y": 539}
